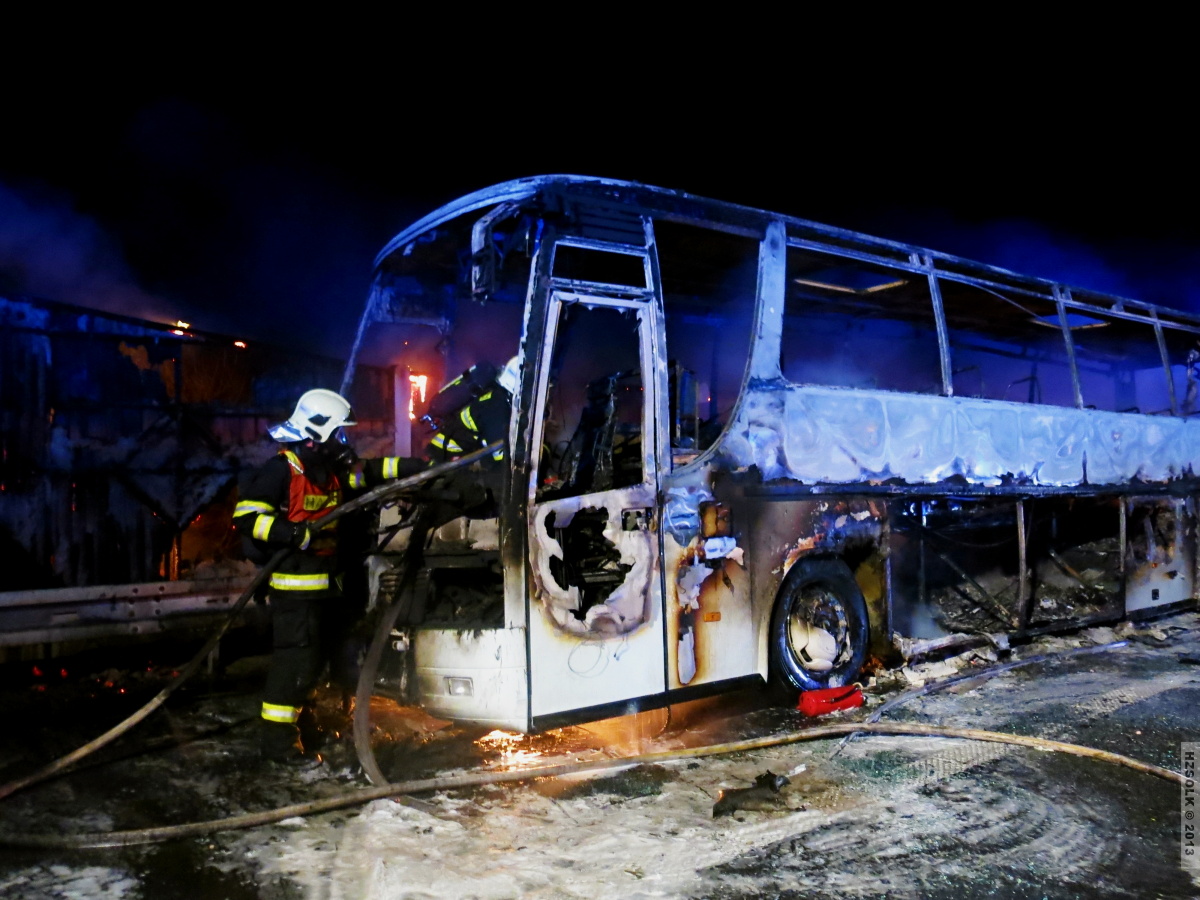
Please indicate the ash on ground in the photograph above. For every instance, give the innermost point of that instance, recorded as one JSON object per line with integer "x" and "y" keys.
{"x": 880, "y": 816}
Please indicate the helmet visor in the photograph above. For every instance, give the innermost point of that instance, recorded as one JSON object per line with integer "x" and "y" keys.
{"x": 286, "y": 433}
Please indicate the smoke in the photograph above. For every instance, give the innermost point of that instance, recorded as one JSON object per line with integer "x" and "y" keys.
{"x": 51, "y": 251}
{"x": 178, "y": 210}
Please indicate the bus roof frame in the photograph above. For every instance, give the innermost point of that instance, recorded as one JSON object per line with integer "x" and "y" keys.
{"x": 800, "y": 233}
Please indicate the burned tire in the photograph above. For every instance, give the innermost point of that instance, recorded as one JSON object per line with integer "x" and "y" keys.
{"x": 819, "y": 628}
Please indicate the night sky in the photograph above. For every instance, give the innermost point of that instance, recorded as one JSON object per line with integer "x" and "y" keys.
{"x": 257, "y": 210}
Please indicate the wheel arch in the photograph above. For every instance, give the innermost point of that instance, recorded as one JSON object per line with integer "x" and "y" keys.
{"x": 838, "y": 573}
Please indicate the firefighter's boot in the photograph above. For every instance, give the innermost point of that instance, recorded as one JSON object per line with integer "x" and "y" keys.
{"x": 280, "y": 743}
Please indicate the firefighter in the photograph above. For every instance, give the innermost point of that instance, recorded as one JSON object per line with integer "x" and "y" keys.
{"x": 281, "y": 506}
{"x": 472, "y": 411}
{"x": 466, "y": 415}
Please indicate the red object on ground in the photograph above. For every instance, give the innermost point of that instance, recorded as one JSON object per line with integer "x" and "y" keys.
{"x": 827, "y": 700}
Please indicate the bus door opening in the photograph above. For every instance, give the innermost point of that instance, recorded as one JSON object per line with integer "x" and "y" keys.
{"x": 595, "y": 610}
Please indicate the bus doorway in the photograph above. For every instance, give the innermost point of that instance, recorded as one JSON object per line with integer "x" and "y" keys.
{"x": 595, "y": 603}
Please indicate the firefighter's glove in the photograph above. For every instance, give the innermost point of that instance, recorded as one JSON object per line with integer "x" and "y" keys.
{"x": 301, "y": 536}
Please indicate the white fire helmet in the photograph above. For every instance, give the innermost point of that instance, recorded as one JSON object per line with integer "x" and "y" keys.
{"x": 319, "y": 413}
{"x": 510, "y": 376}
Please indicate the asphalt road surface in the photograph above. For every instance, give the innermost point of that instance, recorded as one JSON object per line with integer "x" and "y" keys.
{"x": 880, "y": 816}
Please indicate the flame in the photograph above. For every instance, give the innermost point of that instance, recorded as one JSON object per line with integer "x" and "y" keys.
{"x": 419, "y": 383}
{"x": 512, "y": 754}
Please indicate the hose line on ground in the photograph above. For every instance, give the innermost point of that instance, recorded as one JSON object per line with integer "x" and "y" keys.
{"x": 454, "y": 782}
{"x": 372, "y": 497}
{"x": 983, "y": 675}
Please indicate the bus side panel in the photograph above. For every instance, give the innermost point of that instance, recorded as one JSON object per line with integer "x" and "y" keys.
{"x": 786, "y": 531}
{"x": 817, "y": 435}
{"x": 473, "y": 675}
{"x": 710, "y": 623}
{"x": 614, "y": 651}
{"x": 572, "y": 670}
{"x": 724, "y": 557}
{"x": 1160, "y": 552}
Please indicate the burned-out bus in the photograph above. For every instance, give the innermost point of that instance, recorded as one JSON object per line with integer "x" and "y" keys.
{"x": 750, "y": 448}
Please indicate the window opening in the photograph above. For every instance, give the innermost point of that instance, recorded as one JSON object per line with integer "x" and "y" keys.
{"x": 1007, "y": 346}
{"x": 1120, "y": 366}
{"x": 599, "y": 266}
{"x": 709, "y": 280}
{"x": 593, "y": 414}
{"x": 1183, "y": 352}
{"x": 848, "y": 323}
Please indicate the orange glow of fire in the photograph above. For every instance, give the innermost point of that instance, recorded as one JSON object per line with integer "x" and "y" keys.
{"x": 419, "y": 383}
{"x": 512, "y": 754}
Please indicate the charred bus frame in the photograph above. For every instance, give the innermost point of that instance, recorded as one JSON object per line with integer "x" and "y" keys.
{"x": 800, "y": 448}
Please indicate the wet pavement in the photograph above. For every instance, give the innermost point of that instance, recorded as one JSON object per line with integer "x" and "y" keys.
{"x": 880, "y": 816}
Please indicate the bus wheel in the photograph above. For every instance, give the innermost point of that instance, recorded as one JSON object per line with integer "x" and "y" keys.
{"x": 819, "y": 630}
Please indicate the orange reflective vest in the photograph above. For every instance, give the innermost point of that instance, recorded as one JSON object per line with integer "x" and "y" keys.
{"x": 309, "y": 502}
{"x": 310, "y": 570}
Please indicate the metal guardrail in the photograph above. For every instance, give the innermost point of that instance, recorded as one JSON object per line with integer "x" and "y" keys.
{"x": 121, "y": 610}
{"x": 65, "y": 614}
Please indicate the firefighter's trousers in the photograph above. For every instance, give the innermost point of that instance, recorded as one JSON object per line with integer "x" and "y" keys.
{"x": 307, "y": 632}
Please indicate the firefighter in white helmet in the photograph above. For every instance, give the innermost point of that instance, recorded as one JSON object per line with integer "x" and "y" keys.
{"x": 281, "y": 505}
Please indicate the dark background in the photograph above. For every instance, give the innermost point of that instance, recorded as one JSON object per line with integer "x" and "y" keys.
{"x": 253, "y": 202}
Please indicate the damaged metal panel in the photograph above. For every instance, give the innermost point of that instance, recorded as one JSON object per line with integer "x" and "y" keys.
{"x": 632, "y": 556}
{"x": 709, "y": 618}
{"x": 817, "y": 435}
{"x": 1160, "y": 554}
{"x": 596, "y": 638}
{"x": 708, "y": 612}
{"x": 475, "y": 675}
{"x": 126, "y": 610}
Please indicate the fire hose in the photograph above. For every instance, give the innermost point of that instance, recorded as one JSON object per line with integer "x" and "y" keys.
{"x": 457, "y": 782}
{"x": 981, "y": 675}
{"x": 384, "y": 789}
{"x": 370, "y": 498}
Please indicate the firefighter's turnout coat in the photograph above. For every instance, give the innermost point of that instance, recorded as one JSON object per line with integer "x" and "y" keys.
{"x": 287, "y": 495}
{"x": 471, "y": 411}
{"x": 290, "y": 493}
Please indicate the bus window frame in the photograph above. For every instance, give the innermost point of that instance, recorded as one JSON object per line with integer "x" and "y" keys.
{"x": 1063, "y": 298}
